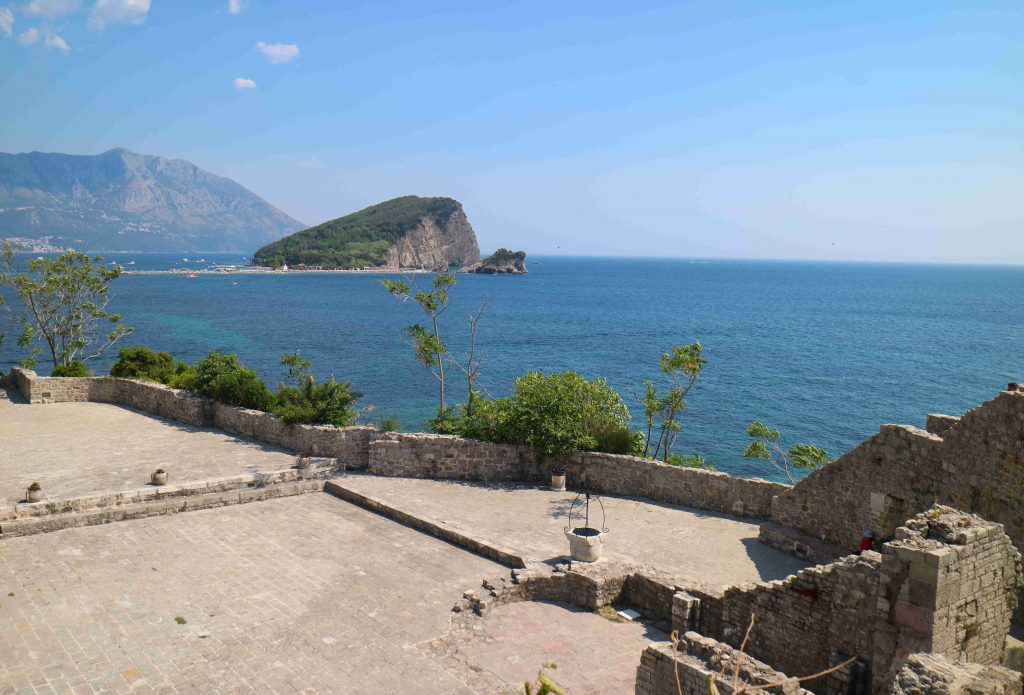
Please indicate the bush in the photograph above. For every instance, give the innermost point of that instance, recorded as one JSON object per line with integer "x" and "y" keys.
{"x": 389, "y": 423}
{"x": 226, "y": 379}
{"x": 148, "y": 365}
{"x": 185, "y": 379}
{"x": 306, "y": 401}
{"x": 72, "y": 368}
{"x": 694, "y": 460}
{"x": 555, "y": 414}
{"x": 612, "y": 438}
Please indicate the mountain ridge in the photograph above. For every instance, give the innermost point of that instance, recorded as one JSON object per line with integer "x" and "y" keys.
{"x": 120, "y": 200}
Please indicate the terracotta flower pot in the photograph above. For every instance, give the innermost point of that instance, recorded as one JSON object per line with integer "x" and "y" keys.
{"x": 159, "y": 477}
{"x": 34, "y": 495}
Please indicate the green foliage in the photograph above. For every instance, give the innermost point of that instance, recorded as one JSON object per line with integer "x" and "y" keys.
{"x": 613, "y": 438}
{"x": 72, "y": 368}
{"x": 426, "y": 343}
{"x": 304, "y": 400}
{"x": 226, "y": 379}
{"x": 555, "y": 414}
{"x": 180, "y": 620}
{"x": 185, "y": 379}
{"x": 139, "y": 362}
{"x": 66, "y": 301}
{"x": 694, "y": 460}
{"x": 360, "y": 239}
{"x": 544, "y": 685}
{"x": 765, "y": 445}
{"x": 389, "y": 423}
{"x": 682, "y": 366}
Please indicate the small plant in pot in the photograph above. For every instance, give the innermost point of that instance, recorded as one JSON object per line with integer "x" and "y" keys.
{"x": 302, "y": 462}
{"x": 34, "y": 493}
{"x": 159, "y": 477}
{"x": 558, "y": 479}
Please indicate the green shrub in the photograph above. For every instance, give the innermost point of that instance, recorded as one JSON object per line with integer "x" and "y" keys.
{"x": 389, "y": 423}
{"x": 185, "y": 379}
{"x": 694, "y": 460}
{"x": 224, "y": 378}
{"x": 306, "y": 401}
{"x": 555, "y": 414}
{"x": 148, "y": 365}
{"x": 613, "y": 438}
{"x": 72, "y": 368}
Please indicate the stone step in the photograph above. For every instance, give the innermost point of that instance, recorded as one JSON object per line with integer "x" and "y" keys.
{"x": 155, "y": 506}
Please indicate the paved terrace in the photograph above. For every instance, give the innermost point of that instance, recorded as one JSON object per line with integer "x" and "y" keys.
{"x": 691, "y": 544}
{"x": 303, "y": 594}
{"x": 78, "y": 449}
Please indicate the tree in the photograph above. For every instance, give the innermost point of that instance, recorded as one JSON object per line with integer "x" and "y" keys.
{"x": 426, "y": 342}
{"x": 474, "y": 358}
{"x": 765, "y": 445}
{"x": 682, "y": 366}
{"x": 66, "y": 299}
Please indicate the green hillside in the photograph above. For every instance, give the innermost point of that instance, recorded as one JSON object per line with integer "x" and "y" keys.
{"x": 358, "y": 240}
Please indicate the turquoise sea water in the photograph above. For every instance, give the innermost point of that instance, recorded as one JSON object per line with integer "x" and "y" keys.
{"x": 822, "y": 351}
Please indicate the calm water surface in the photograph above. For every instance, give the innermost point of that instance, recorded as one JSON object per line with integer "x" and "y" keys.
{"x": 822, "y": 351}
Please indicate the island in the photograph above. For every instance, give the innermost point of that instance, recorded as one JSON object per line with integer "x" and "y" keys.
{"x": 501, "y": 262}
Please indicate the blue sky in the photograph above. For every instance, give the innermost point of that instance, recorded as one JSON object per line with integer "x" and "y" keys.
{"x": 874, "y": 131}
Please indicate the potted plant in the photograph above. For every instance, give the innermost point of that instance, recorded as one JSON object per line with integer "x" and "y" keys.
{"x": 34, "y": 493}
{"x": 302, "y": 462}
{"x": 159, "y": 477}
{"x": 558, "y": 479}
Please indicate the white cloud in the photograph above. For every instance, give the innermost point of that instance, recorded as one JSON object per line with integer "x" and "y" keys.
{"x": 244, "y": 83}
{"x": 52, "y": 8}
{"x": 278, "y": 52}
{"x": 55, "y": 41}
{"x": 29, "y": 36}
{"x": 106, "y": 12}
{"x": 6, "y": 20}
{"x": 236, "y": 6}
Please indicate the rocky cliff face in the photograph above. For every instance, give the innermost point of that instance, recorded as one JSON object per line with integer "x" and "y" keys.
{"x": 436, "y": 244}
{"x": 123, "y": 201}
{"x": 501, "y": 262}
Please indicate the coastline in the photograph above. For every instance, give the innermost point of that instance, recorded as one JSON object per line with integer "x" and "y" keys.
{"x": 267, "y": 271}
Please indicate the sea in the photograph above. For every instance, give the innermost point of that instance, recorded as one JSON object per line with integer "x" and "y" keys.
{"x": 823, "y": 352}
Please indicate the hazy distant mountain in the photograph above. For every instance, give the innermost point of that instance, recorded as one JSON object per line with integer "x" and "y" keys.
{"x": 122, "y": 201}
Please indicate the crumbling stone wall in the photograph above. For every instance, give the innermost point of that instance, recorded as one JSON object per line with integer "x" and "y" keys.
{"x": 801, "y": 621}
{"x": 974, "y": 463}
{"x": 933, "y": 674}
{"x": 699, "y": 658}
{"x": 946, "y": 584}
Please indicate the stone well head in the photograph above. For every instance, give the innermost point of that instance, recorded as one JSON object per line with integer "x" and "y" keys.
{"x": 585, "y": 535}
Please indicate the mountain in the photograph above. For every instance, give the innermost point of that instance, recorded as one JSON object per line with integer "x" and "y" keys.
{"x": 407, "y": 232}
{"x": 123, "y": 201}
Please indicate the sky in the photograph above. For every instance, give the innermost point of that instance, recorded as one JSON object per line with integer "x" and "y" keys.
{"x": 888, "y": 131}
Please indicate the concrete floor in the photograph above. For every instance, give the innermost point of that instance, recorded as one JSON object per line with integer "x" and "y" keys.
{"x": 695, "y": 545}
{"x": 77, "y": 449}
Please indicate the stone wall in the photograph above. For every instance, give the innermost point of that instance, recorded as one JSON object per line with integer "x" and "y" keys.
{"x": 932, "y": 673}
{"x": 350, "y": 445}
{"x": 974, "y": 463}
{"x": 450, "y": 457}
{"x": 699, "y": 659}
{"x": 946, "y": 584}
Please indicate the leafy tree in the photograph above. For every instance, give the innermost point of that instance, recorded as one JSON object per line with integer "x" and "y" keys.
{"x": 555, "y": 413}
{"x": 224, "y": 378}
{"x": 682, "y": 366}
{"x": 426, "y": 342}
{"x": 139, "y": 362}
{"x": 765, "y": 445}
{"x": 66, "y": 300}
{"x": 306, "y": 401}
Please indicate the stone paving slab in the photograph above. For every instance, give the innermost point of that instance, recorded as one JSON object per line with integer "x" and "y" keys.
{"x": 80, "y": 449}
{"x": 693, "y": 545}
{"x": 593, "y": 655}
{"x": 302, "y": 594}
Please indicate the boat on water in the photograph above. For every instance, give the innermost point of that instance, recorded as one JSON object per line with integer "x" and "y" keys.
{"x": 191, "y": 275}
